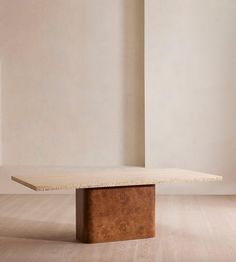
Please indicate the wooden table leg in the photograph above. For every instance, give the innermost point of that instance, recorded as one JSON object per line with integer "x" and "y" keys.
{"x": 115, "y": 213}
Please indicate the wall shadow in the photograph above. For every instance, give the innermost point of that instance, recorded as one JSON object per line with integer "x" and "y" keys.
{"x": 133, "y": 83}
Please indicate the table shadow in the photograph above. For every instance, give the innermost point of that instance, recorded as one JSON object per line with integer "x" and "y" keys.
{"x": 33, "y": 229}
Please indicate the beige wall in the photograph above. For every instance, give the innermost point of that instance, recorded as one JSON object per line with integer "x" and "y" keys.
{"x": 72, "y": 82}
{"x": 0, "y": 112}
{"x": 190, "y": 89}
{"x": 72, "y": 86}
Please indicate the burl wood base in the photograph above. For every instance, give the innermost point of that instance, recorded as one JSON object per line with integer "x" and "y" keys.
{"x": 115, "y": 213}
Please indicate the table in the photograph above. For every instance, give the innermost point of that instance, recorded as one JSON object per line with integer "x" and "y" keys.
{"x": 112, "y": 204}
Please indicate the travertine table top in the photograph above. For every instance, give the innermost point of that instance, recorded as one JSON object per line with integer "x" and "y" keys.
{"x": 55, "y": 178}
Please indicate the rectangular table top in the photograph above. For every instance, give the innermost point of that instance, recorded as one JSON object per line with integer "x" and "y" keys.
{"x": 55, "y": 178}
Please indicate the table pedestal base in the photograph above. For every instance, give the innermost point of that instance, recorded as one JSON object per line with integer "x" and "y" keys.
{"x": 115, "y": 213}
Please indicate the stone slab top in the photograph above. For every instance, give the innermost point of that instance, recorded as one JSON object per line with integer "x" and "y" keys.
{"x": 56, "y": 178}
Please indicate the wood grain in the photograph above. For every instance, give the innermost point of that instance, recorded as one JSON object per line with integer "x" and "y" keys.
{"x": 115, "y": 213}
{"x": 43, "y": 179}
{"x": 189, "y": 229}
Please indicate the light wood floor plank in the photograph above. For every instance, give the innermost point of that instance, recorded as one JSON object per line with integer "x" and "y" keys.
{"x": 190, "y": 228}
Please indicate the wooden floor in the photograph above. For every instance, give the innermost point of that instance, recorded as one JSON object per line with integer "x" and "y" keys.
{"x": 190, "y": 228}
